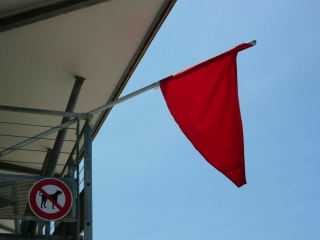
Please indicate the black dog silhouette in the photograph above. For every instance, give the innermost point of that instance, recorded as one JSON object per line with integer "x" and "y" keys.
{"x": 53, "y": 198}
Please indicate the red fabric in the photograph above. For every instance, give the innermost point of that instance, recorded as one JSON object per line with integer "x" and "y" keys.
{"x": 204, "y": 102}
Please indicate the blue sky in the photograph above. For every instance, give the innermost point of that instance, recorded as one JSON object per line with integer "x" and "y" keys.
{"x": 150, "y": 183}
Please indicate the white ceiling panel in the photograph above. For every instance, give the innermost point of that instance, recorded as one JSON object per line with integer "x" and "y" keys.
{"x": 102, "y": 43}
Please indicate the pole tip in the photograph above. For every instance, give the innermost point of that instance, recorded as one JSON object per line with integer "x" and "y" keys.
{"x": 253, "y": 43}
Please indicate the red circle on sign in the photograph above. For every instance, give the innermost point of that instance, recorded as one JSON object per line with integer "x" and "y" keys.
{"x": 38, "y": 188}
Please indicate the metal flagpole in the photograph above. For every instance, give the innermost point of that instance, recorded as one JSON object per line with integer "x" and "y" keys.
{"x": 79, "y": 115}
{"x": 125, "y": 98}
{"x": 76, "y": 116}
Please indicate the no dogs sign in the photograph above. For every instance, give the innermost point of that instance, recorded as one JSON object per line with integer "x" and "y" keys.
{"x": 50, "y": 199}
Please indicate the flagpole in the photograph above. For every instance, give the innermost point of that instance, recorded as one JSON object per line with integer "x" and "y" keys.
{"x": 253, "y": 42}
{"x": 79, "y": 115}
{"x": 74, "y": 118}
{"x": 124, "y": 98}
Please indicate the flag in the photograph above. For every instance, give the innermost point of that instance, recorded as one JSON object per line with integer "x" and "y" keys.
{"x": 203, "y": 100}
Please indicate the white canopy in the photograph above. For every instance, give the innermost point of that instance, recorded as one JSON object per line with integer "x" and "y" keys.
{"x": 44, "y": 44}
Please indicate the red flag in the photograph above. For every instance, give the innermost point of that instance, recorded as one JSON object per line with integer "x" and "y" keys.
{"x": 204, "y": 102}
